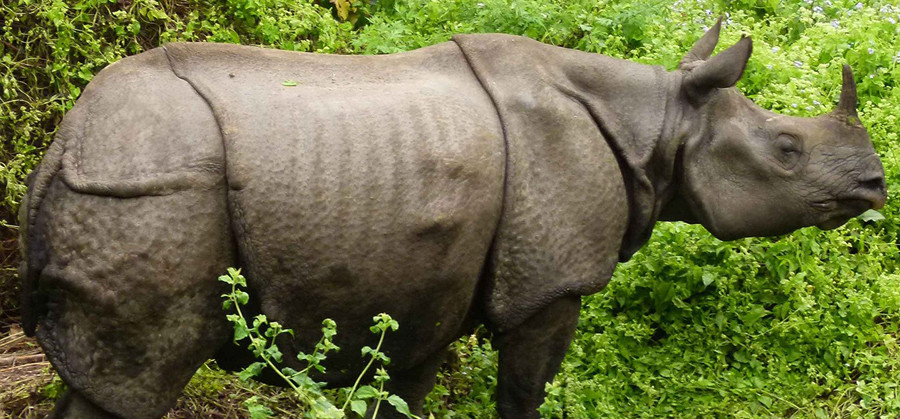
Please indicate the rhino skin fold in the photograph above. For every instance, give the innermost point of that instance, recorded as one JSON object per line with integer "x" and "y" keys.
{"x": 490, "y": 179}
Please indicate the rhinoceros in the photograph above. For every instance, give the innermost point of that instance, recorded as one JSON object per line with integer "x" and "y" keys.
{"x": 490, "y": 179}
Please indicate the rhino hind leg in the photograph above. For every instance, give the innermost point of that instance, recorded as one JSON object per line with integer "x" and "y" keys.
{"x": 73, "y": 405}
{"x": 412, "y": 385}
{"x": 530, "y": 356}
{"x": 133, "y": 305}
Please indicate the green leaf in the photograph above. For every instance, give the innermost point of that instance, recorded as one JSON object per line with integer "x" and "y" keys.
{"x": 289, "y": 83}
{"x": 257, "y": 410}
{"x": 259, "y": 320}
{"x": 399, "y": 404}
{"x": 240, "y": 329}
{"x": 871, "y": 216}
{"x": 708, "y": 278}
{"x": 324, "y": 409}
{"x": 241, "y": 297}
{"x": 365, "y": 392}
{"x": 756, "y": 313}
{"x": 251, "y": 371}
{"x": 274, "y": 353}
{"x": 359, "y": 407}
{"x": 304, "y": 381}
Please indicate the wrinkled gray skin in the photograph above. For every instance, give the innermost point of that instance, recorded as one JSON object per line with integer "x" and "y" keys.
{"x": 491, "y": 179}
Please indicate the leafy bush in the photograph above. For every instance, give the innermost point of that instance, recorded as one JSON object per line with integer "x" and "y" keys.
{"x": 804, "y": 324}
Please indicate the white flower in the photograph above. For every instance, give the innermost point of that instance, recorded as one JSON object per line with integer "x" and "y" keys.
{"x": 776, "y": 49}
{"x": 871, "y": 51}
{"x": 798, "y": 64}
{"x": 835, "y": 24}
{"x": 828, "y": 2}
{"x": 480, "y": 5}
{"x": 893, "y": 22}
{"x": 809, "y": 108}
{"x": 708, "y": 12}
{"x": 859, "y": 6}
{"x": 816, "y": 102}
{"x": 769, "y": 66}
{"x": 817, "y": 9}
{"x": 871, "y": 76}
{"x": 794, "y": 105}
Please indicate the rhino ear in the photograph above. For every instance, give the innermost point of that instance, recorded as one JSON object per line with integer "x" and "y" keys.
{"x": 703, "y": 48}
{"x": 723, "y": 70}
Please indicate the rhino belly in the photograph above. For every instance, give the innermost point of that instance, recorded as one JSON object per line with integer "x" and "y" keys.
{"x": 354, "y": 222}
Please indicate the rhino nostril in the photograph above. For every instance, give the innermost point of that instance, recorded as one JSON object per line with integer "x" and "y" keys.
{"x": 873, "y": 185}
{"x": 872, "y": 182}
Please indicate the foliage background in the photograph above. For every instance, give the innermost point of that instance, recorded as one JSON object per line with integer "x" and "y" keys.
{"x": 803, "y": 325}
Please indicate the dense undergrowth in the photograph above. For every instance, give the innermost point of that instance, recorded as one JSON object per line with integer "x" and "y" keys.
{"x": 805, "y": 324}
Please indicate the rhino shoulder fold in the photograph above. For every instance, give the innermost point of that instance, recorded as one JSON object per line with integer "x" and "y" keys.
{"x": 138, "y": 129}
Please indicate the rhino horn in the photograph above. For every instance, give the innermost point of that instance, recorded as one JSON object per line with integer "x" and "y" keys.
{"x": 703, "y": 48}
{"x": 847, "y": 103}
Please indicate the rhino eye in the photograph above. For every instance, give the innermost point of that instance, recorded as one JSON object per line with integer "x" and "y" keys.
{"x": 789, "y": 150}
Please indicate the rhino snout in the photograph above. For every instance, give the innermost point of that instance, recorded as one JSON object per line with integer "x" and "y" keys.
{"x": 871, "y": 186}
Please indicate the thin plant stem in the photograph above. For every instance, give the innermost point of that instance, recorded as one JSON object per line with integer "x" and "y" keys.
{"x": 237, "y": 307}
{"x": 358, "y": 379}
{"x": 378, "y": 402}
{"x": 315, "y": 352}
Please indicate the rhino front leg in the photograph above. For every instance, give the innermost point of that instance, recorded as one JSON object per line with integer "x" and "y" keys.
{"x": 530, "y": 356}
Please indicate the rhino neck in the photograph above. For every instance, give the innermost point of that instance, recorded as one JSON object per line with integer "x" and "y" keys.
{"x": 636, "y": 108}
{"x": 669, "y": 163}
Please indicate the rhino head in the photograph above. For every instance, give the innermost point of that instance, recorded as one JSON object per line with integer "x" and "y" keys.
{"x": 745, "y": 171}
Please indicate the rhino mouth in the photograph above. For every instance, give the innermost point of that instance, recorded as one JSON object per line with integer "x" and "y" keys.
{"x": 833, "y": 223}
{"x": 841, "y": 211}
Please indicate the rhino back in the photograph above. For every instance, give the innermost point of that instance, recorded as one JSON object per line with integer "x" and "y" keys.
{"x": 372, "y": 185}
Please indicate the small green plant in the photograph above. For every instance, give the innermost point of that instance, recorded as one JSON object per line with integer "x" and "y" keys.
{"x": 262, "y": 336}
{"x": 55, "y": 388}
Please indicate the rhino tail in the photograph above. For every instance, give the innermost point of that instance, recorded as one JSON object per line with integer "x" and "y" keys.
{"x": 32, "y": 249}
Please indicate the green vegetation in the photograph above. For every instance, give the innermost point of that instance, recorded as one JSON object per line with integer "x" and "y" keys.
{"x": 315, "y": 403}
{"x": 804, "y": 325}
